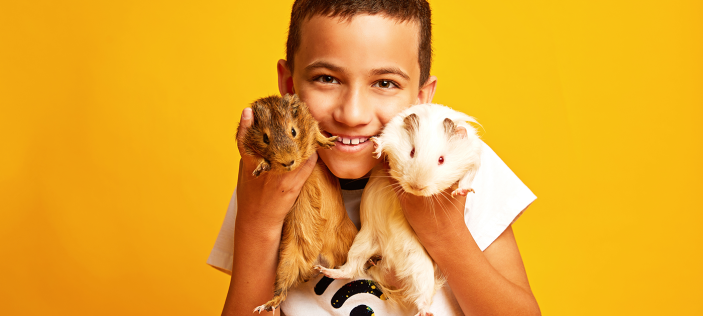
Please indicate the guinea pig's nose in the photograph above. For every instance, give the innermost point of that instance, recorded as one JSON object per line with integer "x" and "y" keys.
{"x": 416, "y": 187}
{"x": 289, "y": 164}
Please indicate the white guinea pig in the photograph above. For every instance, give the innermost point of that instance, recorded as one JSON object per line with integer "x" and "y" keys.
{"x": 430, "y": 148}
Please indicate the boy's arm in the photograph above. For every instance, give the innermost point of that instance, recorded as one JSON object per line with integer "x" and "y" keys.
{"x": 490, "y": 282}
{"x": 262, "y": 204}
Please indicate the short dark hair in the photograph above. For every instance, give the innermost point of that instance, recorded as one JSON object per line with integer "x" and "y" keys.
{"x": 402, "y": 10}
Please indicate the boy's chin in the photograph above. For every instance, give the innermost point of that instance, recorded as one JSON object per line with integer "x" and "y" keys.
{"x": 348, "y": 169}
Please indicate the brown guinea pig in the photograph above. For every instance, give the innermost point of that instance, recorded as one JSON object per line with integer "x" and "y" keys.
{"x": 317, "y": 229}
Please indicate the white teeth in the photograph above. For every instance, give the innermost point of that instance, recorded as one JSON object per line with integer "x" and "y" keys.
{"x": 351, "y": 141}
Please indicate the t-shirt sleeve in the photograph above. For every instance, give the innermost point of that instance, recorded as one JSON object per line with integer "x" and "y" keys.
{"x": 221, "y": 255}
{"x": 499, "y": 199}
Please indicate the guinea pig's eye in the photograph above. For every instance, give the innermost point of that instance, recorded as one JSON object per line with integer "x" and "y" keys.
{"x": 412, "y": 153}
{"x": 266, "y": 139}
{"x": 441, "y": 160}
{"x": 292, "y": 131}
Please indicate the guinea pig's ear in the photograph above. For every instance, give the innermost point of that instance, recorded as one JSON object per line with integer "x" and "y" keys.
{"x": 257, "y": 108}
{"x": 286, "y": 99}
{"x": 452, "y": 129}
{"x": 411, "y": 123}
{"x": 460, "y": 131}
{"x": 294, "y": 103}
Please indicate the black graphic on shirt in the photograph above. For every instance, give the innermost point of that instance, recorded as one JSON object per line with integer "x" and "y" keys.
{"x": 322, "y": 285}
{"x": 348, "y": 290}
{"x": 362, "y": 310}
{"x": 355, "y": 287}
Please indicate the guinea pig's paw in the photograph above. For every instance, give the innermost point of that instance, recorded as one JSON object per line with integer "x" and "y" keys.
{"x": 270, "y": 306}
{"x": 319, "y": 268}
{"x": 260, "y": 308}
{"x": 263, "y": 166}
{"x": 378, "y": 147}
{"x": 374, "y": 260}
{"x": 329, "y": 142}
{"x": 330, "y": 273}
{"x": 462, "y": 191}
{"x": 326, "y": 142}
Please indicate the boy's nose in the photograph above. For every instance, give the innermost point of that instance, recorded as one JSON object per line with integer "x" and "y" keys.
{"x": 353, "y": 109}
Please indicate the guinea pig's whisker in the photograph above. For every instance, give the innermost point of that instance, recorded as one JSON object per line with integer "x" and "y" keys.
{"x": 401, "y": 194}
{"x": 434, "y": 214}
{"x": 435, "y": 198}
{"x": 398, "y": 186}
{"x": 275, "y": 178}
{"x": 393, "y": 186}
{"x": 444, "y": 195}
{"x": 442, "y": 207}
{"x": 459, "y": 209}
{"x": 451, "y": 205}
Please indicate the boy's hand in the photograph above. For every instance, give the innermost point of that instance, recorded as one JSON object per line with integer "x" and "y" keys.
{"x": 265, "y": 200}
{"x": 434, "y": 217}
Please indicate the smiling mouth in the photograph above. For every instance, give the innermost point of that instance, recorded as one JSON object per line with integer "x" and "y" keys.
{"x": 350, "y": 140}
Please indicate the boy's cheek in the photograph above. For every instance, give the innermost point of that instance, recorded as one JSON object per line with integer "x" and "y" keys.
{"x": 320, "y": 103}
{"x": 390, "y": 109}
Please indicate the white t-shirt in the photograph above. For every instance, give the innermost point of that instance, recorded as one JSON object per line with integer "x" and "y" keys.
{"x": 499, "y": 199}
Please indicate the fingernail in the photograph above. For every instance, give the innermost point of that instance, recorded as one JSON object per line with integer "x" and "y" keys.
{"x": 246, "y": 114}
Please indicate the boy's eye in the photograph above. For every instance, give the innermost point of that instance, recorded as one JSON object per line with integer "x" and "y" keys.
{"x": 386, "y": 84}
{"x": 326, "y": 79}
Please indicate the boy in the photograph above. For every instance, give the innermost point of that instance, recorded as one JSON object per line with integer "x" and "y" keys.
{"x": 356, "y": 64}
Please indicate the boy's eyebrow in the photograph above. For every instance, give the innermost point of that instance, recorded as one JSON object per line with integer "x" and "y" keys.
{"x": 374, "y": 72}
{"x": 324, "y": 64}
{"x": 390, "y": 70}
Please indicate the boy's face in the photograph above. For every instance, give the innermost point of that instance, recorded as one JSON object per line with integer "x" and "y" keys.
{"x": 355, "y": 76}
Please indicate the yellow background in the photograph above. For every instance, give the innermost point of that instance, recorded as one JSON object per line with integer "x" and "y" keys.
{"x": 118, "y": 158}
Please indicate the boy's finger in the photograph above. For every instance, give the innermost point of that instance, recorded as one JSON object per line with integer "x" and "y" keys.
{"x": 306, "y": 169}
{"x": 244, "y": 124}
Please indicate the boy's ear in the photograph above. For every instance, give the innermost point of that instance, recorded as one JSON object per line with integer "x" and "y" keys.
{"x": 285, "y": 78}
{"x": 426, "y": 92}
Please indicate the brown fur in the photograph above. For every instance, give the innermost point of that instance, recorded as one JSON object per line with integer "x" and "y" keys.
{"x": 317, "y": 225}
{"x": 449, "y": 127}
{"x": 411, "y": 124}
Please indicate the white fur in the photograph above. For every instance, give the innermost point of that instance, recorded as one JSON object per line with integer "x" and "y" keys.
{"x": 384, "y": 230}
